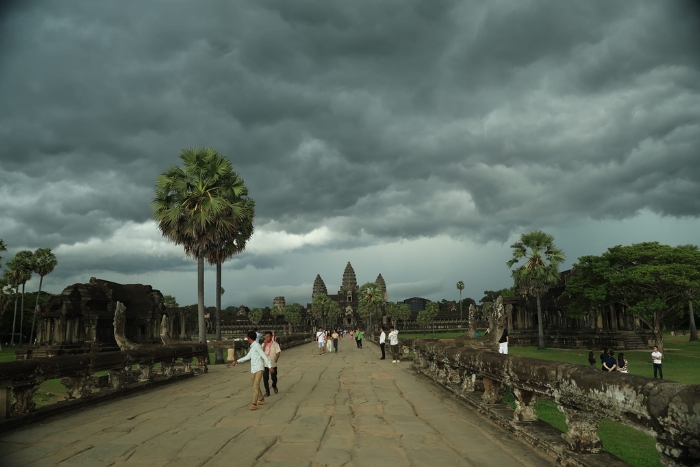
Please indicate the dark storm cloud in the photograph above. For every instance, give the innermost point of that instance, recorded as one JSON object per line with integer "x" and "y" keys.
{"x": 395, "y": 119}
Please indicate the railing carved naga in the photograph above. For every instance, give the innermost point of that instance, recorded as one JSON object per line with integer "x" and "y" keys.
{"x": 667, "y": 410}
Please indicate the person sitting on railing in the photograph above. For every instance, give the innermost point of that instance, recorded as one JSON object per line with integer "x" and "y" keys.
{"x": 622, "y": 363}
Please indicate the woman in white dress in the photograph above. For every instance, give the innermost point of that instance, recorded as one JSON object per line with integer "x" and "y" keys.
{"x": 329, "y": 342}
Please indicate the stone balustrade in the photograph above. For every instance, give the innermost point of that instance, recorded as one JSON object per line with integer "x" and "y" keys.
{"x": 19, "y": 380}
{"x": 667, "y": 410}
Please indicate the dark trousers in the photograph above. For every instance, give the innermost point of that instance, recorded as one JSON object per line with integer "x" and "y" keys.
{"x": 266, "y": 379}
{"x": 657, "y": 366}
{"x": 335, "y": 345}
{"x": 359, "y": 343}
{"x": 382, "y": 347}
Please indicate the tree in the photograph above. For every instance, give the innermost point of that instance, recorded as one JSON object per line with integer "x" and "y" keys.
{"x": 292, "y": 314}
{"x": 404, "y": 313}
{"x": 423, "y": 320}
{"x": 21, "y": 268}
{"x": 492, "y": 295}
{"x": 392, "y": 311}
{"x": 6, "y": 297}
{"x": 319, "y": 308}
{"x": 193, "y": 207}
{"x": 540, "y": 271}
{"x": 371, "y": 301}
{"x": 651, "y": 280}
{"x": 460, "y": 287}
{"x": 44, "y": 263}
{"x": 255, "y": 315}
{"x": 225, "y": 247}
{"x": 333, "y": 313}
{"x": 170, "y": 301}
{"x": 3, "y": 247}
{"x": 433, "y": 308}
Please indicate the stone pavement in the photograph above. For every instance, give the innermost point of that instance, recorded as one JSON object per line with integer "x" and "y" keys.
{"x": 349, "y": 409}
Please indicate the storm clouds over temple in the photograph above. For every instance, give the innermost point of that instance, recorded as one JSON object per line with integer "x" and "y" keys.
{"x": 415, "y": 138}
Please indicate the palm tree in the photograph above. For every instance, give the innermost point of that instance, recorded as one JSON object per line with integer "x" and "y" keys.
{"x": 320, "y": 306}
{"x": 460, "y": 287}
{"x": 44, "y": 263}
{"x": 193, "y": 207}
{"x": 226, "y": 247}
{"x": 371, "y": 301}
{"x": 6, "y": 295}
{"x": 3, "y": 247}
{"x": 333, "y": 312}
{"x": 20, "y": 267}
{"x": 540, "y": 271}
{"x": 432, "y": 309}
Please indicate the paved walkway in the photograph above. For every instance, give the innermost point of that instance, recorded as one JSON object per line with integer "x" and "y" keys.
{"x": 349, "y": 409}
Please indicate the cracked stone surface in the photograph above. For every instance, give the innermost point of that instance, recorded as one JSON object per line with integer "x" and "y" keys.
{"x": 346, "y": 409}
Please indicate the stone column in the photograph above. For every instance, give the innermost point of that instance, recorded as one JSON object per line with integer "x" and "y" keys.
{"x": 582, "y": 435}
{"x": 525, "y": 402}
{"x": 492, "y": 391}
{"x": 613, "y": 317}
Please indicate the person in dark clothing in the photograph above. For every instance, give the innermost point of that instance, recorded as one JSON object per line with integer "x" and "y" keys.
{"x": 591, "y": 359}
{"x": 603, "y": 356}
{"x": 610, "y": 364}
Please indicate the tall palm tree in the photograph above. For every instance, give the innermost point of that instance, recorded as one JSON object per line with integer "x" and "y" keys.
{"x": 44, "y": 263}
{"x": 3, "y": 247}
{"x": 20, "y": 271}
{"x": 193, "y": 206}
{"x": 540, "y": 271}
{"x": 460, "y": 287}
{"x": 219, "y": 251}
{"x": 6, "y": 296}
{"x": 371, "y": 301}
{"x": 320, "y": 306}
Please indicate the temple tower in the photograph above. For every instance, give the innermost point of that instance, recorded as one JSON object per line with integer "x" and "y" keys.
{"x": 382, "y": 284}
{"x": 319, "y": 287}
{"x": 349, "y": 292}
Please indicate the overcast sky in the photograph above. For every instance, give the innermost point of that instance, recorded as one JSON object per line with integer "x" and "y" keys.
{"x": 416, "y": 139}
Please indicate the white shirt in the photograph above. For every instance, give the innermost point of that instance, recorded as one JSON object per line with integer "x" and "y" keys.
{"x": 257, "y": 357}
{"x": 394, "y": 337}
{"x": 656, "y": 356}
{"x": 321, "y": 337}
{"x": 382, "y": 338}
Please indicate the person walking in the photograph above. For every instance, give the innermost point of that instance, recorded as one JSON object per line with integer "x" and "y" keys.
{"x": 358, "y": 338}
{"x": 382, "y": 343}
{"x": 321, "y": 339}
{"x": 273, "y": 352}
{"x": 656, "y": 358}
{"x": 258, "y": 361}
{"x": 336, "y": 337}
{"x": 503, "y": 342}
{"x": 329, "y": 341}
{"x": 394, "y": 344}
{"x": 622, "y": 363}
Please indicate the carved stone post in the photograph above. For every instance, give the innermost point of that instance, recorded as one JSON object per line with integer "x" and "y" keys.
{"x": 492, "y": 391}
{"x": 167, "y": 368}
{"x": 118, "y": 379}
{"x": 468, "y": 382}
{"x": 202, "y": 363}
{"x": 146, "y": 370}
{"x": 583, "y": 426}
{"x": 78, "y": 386}
{"x": 187, "y": 364}
{"x": 525, "y": 405}
{"x": 24, "y": 397}
{"x": 5, "y": 402}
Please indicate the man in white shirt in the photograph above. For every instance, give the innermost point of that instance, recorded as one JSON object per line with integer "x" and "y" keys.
{"x": 394, "y": 344}
{"x": 382, "y": 342}
{"x": 258, "y": 361}
{"x": 656, "y": 358}
{"x": 273, "y": 352}
{"x": 321, "y": 339}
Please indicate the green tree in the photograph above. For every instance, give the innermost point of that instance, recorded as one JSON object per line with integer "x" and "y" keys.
{"x": 21, "y": 268}
{"x": 226, "y": 247}
{"x": 333, "y": 313}
{"x": 392, "y": 311}
{"x": 371, "y": 301}
{"x": 460, "y": 287}
{"x": 7, "y": 295}
{"x": 170, "y": 301}
{"x": 404, "y": 313}
{"x": 44, "y": 263}
{"x": 319, "y": 308}
{"x": 492, "y": 295}
{"x": 424, "y": 320}
{"x": 540, "y": 270}
{"x": 193, "y": 207}
{"x": 653, "y": 281}
{"x": 255, "y": 315}
{"x": 433, "y": 308}
{"x": 3, "y": 247}
{"x": 292, "y": 314}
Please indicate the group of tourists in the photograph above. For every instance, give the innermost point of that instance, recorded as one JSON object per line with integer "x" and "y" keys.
{"x": 327, "y": 340}
{"x": 393, "y": 344}
{"x": 263, "y": 364}
{"x": 609, "y": 363}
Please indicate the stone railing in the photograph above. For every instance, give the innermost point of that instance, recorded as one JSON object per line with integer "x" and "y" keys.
{"x": 667, "y": 410}
{"x": 19, "y": 380}
{"x": 237, "y": 349}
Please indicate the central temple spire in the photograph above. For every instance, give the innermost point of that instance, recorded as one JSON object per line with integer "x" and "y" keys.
{"x": 349, "y": 279}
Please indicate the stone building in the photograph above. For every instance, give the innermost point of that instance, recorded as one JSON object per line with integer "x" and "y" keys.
{"x": 348, "y": 297}
{"x": 81, "y": 318}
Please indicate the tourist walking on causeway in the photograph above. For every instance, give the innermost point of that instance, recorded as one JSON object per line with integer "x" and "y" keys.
{"x": 358, "y": 338}
{"x": 321, "y": 338}
{"x": 503, "y": 342}
{"x": 656, "y": 358}
{"x": 394, "y": 344}
{"x": 258, "y": 361}
{"x": 382, "y": 342}
{"x": 273, "y": 352}
{"x": 335, "y": 338}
